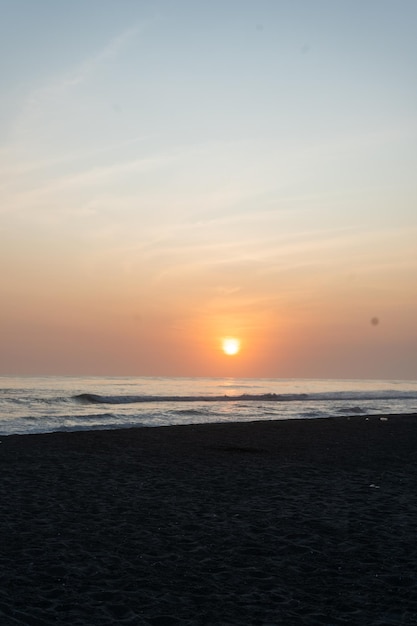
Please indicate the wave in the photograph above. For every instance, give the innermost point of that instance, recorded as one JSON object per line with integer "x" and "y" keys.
{"x": 190, "y": 412}
{"x": 91, "y": 416}
{"x": 355, "y": 396}
{"x": 94, "y": 398}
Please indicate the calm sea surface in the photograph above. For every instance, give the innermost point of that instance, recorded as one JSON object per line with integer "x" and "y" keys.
{"x": 37, "y": 405}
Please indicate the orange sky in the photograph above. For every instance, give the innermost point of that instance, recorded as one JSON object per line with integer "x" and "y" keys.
{"x": 170, "y": 177}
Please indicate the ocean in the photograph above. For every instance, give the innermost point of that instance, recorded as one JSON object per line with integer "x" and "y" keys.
{"x": 50, "y": 404}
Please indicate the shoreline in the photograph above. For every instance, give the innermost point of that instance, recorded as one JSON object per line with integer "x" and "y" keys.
{"x": 308, "y": 521}
{"x": 362, "y": 416}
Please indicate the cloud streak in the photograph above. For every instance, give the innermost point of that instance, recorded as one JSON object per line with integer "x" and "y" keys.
{"x": 84, "y": 70}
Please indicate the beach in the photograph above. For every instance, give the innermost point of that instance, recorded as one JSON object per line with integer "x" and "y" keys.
{"x": 258, "y": 523}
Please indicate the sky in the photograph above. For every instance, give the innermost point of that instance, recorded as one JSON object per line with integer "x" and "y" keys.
{"x": 175, "y": 172}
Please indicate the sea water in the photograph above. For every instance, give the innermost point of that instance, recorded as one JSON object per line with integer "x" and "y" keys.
{"x": 48, "y": 404}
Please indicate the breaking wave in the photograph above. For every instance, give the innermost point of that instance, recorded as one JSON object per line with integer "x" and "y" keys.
{"x": 92, "y": 398}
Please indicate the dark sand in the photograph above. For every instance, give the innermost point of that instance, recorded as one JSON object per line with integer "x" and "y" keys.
{"x": 269, "y": 523}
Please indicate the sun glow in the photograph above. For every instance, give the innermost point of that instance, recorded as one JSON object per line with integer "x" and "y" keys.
{"x": 230, "y": 346}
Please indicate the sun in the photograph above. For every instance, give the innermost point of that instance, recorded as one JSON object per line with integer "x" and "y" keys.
{"x": 230, "y": 346}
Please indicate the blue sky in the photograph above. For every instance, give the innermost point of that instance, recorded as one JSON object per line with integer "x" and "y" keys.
{"x": 173, "y": 172}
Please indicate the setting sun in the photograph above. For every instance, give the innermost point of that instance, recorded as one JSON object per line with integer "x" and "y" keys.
{"x": 230, "y": 346}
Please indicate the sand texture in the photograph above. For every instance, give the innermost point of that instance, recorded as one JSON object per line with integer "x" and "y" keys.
{"x": 307, "y": 522}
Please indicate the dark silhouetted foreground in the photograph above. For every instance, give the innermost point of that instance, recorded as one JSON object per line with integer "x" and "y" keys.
{"x": 269, "y": 523}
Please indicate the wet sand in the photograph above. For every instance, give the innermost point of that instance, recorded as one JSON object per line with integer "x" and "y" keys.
{"x": 264, "y": 523}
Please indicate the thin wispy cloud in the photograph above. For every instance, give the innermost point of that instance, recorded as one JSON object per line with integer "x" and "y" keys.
{"x": 83, "y": 71}
{"x": 47, "y": 100}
